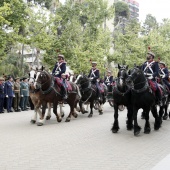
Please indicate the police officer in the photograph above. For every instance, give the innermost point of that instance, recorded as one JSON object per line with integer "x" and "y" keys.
{"x": 164, "y": 73}
{"x": 2, "y": 94}
{"x": 24, "y": 88}
{"x": 17, "y": 94}
{"x": 94, "y": 75}
{"x": 59, "y": 69}
{"x": 9, "y": 93}
{"x": 151, "y": 71}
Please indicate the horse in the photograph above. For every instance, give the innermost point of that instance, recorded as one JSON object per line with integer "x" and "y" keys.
{"x": 142, "y": 97}
{"x": 51, "y": 92}
{"x": 122, "y": 96}
{"x": 34, "y": 95}
{"x": 88, "y": 93}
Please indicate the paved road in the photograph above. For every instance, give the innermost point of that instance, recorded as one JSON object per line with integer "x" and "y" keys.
{"x": 82, "y": 144}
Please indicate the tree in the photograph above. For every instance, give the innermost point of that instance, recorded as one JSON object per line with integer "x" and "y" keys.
{"x": 149, "y": 24}
{"x": 121, "y": 10}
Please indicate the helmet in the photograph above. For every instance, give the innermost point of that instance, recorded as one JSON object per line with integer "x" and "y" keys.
{"x": 94, "y": 63}
{"x": 151, "y": 53}
{"x": 61, "y": 56}
{"x": 161, "y": 62}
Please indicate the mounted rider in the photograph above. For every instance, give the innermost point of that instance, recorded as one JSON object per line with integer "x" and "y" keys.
{"x": 94, "y": 75}
{"x": 108, "y": 80}
{"x": 59, "y": 71}
{"x": 151, "y": 71}
{"x": 164, "y": 73}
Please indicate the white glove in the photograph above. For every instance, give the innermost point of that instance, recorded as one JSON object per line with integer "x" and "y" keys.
{"x": 91, "y": 78}
{"x": 108, "y": 84}
{"x": 21, "y": 95}
{"x": 13, "y": 95}
{"x": 163, "y": 76}
{"x": 150, "y": 77}
{"x": 6, "y": 96}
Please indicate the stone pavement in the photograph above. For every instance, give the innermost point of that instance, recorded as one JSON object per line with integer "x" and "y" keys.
{"x": 82, "y": 144}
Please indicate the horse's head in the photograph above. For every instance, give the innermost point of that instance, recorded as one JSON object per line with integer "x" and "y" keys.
{"x": 135, "y": 75}
{"x": 82, "y": 80}
{"x": 42, "y": 78}
{"x": 122, "y": 74}
{"x": 32, "y": 76}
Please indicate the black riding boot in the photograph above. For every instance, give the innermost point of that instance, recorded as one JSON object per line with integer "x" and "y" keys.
{"x": 64, "y": 93}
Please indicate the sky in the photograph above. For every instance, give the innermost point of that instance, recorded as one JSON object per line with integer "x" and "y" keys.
{"x": 158, "y": 8}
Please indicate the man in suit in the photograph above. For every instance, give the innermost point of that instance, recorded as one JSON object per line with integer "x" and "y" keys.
{"x": 9, "y": 93}
{"x": 2, "y": 94}
{"x": 24, "y": 94}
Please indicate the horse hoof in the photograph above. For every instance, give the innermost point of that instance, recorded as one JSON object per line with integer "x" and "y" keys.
{"x": 85, "y": 111}
{"x": 48, "y": 117}
{"x": 75, "y": 116}
{"x": 33, "y": 121}
{"x": 136, "y": 133}
{"x": 165, "y": 117}
{"x": 129, "y": 127}
{"x": 90, "y": 115}
{"x": 39, "y": 124}
{"x": 114, "y": 130}
{"x": 100, "y": 112}
{"x": 147, "y": 131}
{"x": 67, "y": 120}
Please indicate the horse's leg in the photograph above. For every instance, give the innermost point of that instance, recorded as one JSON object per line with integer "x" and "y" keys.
{"x": 49, "y": 111}
{"x": 115, "y": 126}
{"x": 34, "y": 117}
{"x": 101, "y": 108}
{"x": 82, "y": 109}
{"x": 71, "y": 103}
{"x": 91, "y": 108}
{"x": 42, "y": 119}
{"x": 147, "y": 128}
{"x": 61, "y": 109}
{"x": 157, "y": 123}
{"x": 58, "y": 116}
{"x": 87, "y": 108}
{"x": 129, "y": 121}
{"x": 165, "y": 116}
{"x": 137, "y": 128}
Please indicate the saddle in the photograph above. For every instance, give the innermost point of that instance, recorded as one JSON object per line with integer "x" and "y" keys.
{"x": 153, "y": 86}
{"x": 59, "y": 82}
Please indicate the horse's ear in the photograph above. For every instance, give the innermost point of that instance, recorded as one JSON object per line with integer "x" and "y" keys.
{"x": 119, "y": 66}
{"x": 127, "y": 67}
{"x": 42, "y": 68}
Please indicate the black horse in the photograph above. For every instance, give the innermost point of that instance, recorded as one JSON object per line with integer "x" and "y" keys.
{"x": 142, "y": 97}
{"x": 88, "y": 93}
{"x": 122, "y": 96}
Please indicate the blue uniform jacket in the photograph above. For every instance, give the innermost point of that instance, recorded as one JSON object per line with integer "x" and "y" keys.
{"x": 94, "y": 73}
{"x": 9, "y": 89}
{"x": 153, "y": 68}
{"x": 108, "y": 79}
{"x": 59, "y": 69}
{"x": 165, "y": 72}
{"x": 2, "y": 90}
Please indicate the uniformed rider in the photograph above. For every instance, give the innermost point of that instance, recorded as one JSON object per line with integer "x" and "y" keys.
{"x": 58, "y": 71}
{"x": 94, "y": 75}
{"x": 151, "y": 71}
{"x": 164, "y": 73}
{"x": 108, "y": 80}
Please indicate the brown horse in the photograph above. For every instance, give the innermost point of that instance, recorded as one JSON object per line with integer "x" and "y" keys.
{"x": 51, "y": 92}
{"x": 34, "y": 96}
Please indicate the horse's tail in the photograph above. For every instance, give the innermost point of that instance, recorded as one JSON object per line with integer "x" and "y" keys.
{"x": 78, "y": 91}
